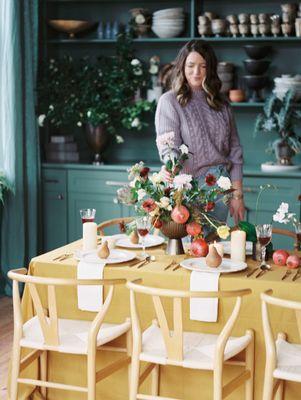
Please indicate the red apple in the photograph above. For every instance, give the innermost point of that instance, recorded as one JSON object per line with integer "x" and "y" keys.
{"x": 193, "y": 228}
{"x": 280, "y": 257}
{"x": 199, "y": 248}
{"x": 180, "y": 214}
{"x": 293, "y": 261}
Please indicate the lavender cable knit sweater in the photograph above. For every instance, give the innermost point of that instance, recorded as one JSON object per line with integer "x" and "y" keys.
{"x": 210, "y": 135}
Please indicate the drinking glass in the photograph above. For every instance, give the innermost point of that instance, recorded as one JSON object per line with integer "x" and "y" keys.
{"x": 297, "y": 226}
{"x": 143, "y": 226}
{"x": 87, "y": 214}
{"x": 264, "y": 236}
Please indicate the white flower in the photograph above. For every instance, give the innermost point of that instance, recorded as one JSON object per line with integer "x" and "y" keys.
{"x": 182, "y": 181}
{"x": 184, "y": 149}
{"x": 41, "y": 119}
{"x": 119, "y": 139}
{"x": 164, "y": 203}
{"x": 133, "y": 182}
{"x": 224, "y": 182}
{"x": 135, "y": 123}
{"x": 282, "y": 215}
{"x": 154, "y": 212}
{"x": 135, "y": 62}
{"x": 141, "y": 194}
{"x": 51, "y": 107}
{"x": 167, "y": 139}
{"x": 89, "y": 113}
{"x": 138, "y": 72}
{"x": 140, "y": 19}
{"x": 79, "y": 123}
{"x": 156, "y": 178}
{"x": 283, "y": 208}
{"x": 154, "y": 69}
{"x": 135, "y": 169}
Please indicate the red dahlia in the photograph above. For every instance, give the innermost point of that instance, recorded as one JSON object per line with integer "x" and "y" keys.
{"x": 144, "y": 172}
{"x": 210, "y": 179}
{"x": 209, "y": 206}
{"x": 149, "y": 205}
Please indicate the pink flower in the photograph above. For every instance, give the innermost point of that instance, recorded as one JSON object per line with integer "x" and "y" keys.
{"x": 167, "y": 139}
{"x": 182, "y": 181}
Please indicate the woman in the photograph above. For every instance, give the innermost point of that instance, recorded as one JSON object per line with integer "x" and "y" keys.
{"x": 201, "y": 119}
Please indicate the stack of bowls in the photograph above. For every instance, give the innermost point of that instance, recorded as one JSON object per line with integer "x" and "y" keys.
{"x": 256, "y": 68}
{"x": 225, "y": 72}
{"x": 204, "y": 26}
{"x": 285, "y": 83}
{"x": 289, "y": 14}
{"x": 169, "y": 22}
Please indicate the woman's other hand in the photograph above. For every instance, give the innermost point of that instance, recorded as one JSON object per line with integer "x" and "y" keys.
{"x": 237, "y": 210}
{"x": 166, "y": 174}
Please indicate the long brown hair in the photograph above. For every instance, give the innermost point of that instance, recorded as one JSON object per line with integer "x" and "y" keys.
{"x": 211, "y": 84}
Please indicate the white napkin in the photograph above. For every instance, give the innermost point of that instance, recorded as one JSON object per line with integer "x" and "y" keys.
{"x": 205, "y": 310}
{"x": 90, "y": 297}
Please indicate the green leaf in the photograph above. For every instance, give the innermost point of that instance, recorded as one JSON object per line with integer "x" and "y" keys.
{"x": 249, "y": 229}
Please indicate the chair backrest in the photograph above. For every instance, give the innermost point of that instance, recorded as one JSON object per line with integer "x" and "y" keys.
{"x": 49, "y": 323}
{"x": 174, "y": 342}
{"x": 267, "y": 298}
{"x": 117, "y": 221}
{"x": 286, "y": 232}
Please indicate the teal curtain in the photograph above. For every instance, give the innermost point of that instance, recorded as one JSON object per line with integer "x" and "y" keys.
{"x": 19, "y": 133}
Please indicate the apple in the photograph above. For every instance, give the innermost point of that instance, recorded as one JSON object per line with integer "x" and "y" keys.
{"x": 193, "y": 228}
{"x": 180, "y": 214}
{"x": 293, "y": 261}
{"x": 280, "y": 257}
{"x": 199, "y": 248}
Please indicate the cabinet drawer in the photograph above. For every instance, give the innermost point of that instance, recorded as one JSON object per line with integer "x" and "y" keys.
{"x": 54, "y": 180}
{"x": 96, "y": 181}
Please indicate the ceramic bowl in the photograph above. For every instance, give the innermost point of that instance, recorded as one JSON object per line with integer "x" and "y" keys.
{"x": 256, "y": 67}
{"x": 256, "y": 81}
{"x": 219, "y": 26}
{"x": 225, "y": 76}
{"x": 70, "y": 26}
{"x": 244, "y": 29}
{"x": 226, "y": 86}
{"x": 234, "y": 30}
{"x": 289, "y": 7}
{"x": 232, "y": 19}
{"x": 254, "y": 30}
{"x": 225, "y": 66}
{"x": 204, "y": 30}
{"x": 263, "y": 18}
{"x": 254, "y": 18}
{"x": 264, "y": 29}
{"x": 243, "y": 18}
{"x": 287, "y": 29}
{"x": 237, "y": 95}
{"x": 257, "y": 51}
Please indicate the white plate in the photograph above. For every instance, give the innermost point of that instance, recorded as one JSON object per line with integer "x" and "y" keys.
{"x": 116, "y": 256}
{"x": 227, "y": 247}
{"x": 150, "y": 241}
{"x": 199, "y": 264}
{"x": 270, "y": 167}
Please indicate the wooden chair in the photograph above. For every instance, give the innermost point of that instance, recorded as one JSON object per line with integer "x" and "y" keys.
{"x": 117, "y": 221}
{"x": 286, "y": 232}
{"x": 158, "y": 345}
{"x": 46, "y": 332}
{"x": 283, "y": 359}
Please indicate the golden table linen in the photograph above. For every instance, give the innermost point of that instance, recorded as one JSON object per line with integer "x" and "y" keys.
{"x": 175, "y": 382}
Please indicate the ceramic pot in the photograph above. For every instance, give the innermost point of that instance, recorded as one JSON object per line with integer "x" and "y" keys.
{"x": 256, "y": 67}
{"x": 287, "y": 29}
{"x": 237, "y": 95}
{"x": 232, "y": 19}
{"x": 264, "y": 29}
{"x": 254, "y": 19}
{"x": 97, "y": 138}
{"x": 283, "y": 152}
{"x": 254, "y": 30}
{"x": 219, "y": 26}
{"x": 257, "y": 52}
{"x": 243, "y": 18}
{"x": 234, "y": 30}
{"x": 255, "y": 83}
{"x": 244, "y": 29}
{"x": 174, "y": 232}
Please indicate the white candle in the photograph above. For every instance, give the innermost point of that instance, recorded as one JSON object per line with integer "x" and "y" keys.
{"x": 238, "y": 245}
{"x": 219, "y": 248}
{"x": 89, "y": 236}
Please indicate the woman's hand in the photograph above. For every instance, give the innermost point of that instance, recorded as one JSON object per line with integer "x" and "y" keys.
{"x": 166, "y": 174}
{"x": 237, "y": 210}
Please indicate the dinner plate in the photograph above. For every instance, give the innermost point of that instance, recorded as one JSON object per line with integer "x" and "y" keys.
{"x": 150, "y": 241}
{"x": 199, "y": 264}
{"x": 116, "y": 256}
{"x": 227, "y": 247}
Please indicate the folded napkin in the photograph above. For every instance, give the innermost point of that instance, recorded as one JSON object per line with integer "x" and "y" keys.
{"x": 90, "y": 297}
{"x": 204, "y": 309}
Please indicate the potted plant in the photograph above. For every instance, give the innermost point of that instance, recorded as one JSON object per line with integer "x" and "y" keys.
{"x": 5, "y": 186}
{"x": 281, "y": 116}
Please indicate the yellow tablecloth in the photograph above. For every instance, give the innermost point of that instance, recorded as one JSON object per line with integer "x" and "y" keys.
{"x": 175, "y": 382}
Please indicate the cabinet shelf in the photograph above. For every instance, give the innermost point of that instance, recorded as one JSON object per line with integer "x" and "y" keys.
{"x": 182, "y": 39}
{"x": 246, "y": 104}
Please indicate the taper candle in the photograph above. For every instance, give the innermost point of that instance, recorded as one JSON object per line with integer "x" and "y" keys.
{"x": 89, "y": 236}
{"x": 238, "y": 245}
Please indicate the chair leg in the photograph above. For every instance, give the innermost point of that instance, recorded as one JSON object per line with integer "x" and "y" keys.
{"x": 15, "y": 369}
{"x": 43, "y": 369}
{"x": 249, "y": 388}
{"x": 268, "y": 382}
{"x": 135, "y": 369}
{"x": 280, "y": 392}
{"x": 218, "y": 383}
{"x": 129, "y": 350}
{"x": 91, "y": 376}
{"x": 155, "y": 374}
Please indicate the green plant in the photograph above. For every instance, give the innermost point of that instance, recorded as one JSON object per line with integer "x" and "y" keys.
{"x": 280, "y": 116}
{"x": 104, "y": 91}
{"x": 5, "y": 186}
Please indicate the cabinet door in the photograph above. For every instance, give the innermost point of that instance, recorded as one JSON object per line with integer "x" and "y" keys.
{"x": 54, "y": 220}
{"x": 106, "y": 208}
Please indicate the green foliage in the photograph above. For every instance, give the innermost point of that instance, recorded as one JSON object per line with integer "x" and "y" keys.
{"x": 5, "y": 186}
{"x": 73, "y": 93}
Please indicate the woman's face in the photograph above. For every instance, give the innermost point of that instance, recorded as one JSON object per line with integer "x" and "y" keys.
{"x": 195, "y": 70}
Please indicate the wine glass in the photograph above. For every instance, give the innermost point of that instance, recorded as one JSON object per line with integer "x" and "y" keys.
{"x": 87, "y": 214}
{"x": 264, "y": 236}
{"x": 297, "y": 226}
{"x": 143, "y": 226}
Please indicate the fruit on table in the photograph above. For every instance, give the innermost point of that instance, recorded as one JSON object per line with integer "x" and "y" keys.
{"x": 199, "y": 248}
{"x": 293, "y": 261}
{"x": 193, "y": 228}
{"x": 213, "y": 259}
{"x": 104, "y": 251}
{"x": 280, "y": 257}
{"x": 134, "y": 238}
{"x": 180, "y": 214}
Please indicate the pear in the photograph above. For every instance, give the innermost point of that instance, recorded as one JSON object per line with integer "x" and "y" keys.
{"x": 134, "y": 238}
{"x": 213, "y": 259}
{"x": 104, "y": 251}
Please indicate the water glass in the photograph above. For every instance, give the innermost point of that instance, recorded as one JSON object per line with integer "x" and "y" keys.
{"x": 87, "y": 214}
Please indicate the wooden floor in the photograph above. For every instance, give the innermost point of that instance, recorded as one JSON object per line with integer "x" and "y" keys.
{"x": 6, "y": 337}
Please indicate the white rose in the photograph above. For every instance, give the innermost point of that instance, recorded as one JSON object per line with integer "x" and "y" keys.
{"x": 135, "y": 123}
{"x": 79, "y": 123}
{"x": 184, "y": 149}
{"x": 119, "y": 139}
{"x": 135, "y": 62}
{"x": 138, "y": 72}
{"x": 283, "y": 208}
{"x": 156, "y": 178}
{"x": 153, "y": 69}
{"x": 89, "y": 114}
{"x": 41, "y": 119}
{"x": 51, "y": 107}
{"x": 141, "y": 194}
{"x": 224, "y": 182}
{"x": 140, "y": 19}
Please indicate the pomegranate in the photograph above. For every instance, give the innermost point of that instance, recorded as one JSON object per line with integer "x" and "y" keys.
{"x": 199, "y": 248}
{"x": 293, "y": 261}
{"x": 193, "y": 228}
{"x": 180, "y": 214}
{"x": 280, "y": 257}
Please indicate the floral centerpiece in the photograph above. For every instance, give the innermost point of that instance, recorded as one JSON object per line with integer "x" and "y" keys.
{"x": 179, "y": 201}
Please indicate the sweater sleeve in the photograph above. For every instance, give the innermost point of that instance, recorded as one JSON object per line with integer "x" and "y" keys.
{"x": 167, "y": 120}
{"x": 236, "y": 153}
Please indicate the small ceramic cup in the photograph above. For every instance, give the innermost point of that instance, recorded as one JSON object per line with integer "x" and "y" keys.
{"x": 263, "y": 18}
{"x": 289, "y": 7}
{"x": 264, "y": 29}
{"x": 210, "y": 15}
{"x": 243, "y": 18}
{"x": 204, "y": 30}
{"x": 234, "y": 30}
{"x": 287, "y": 29}
{"x": 232, "y": 19}
{"x": 244, "y": 29}
{"x": 276, "y": 30}
{"x": 254, "y": 30}
{"x": 254, "y": 18}
{"x": 203, "y": 20}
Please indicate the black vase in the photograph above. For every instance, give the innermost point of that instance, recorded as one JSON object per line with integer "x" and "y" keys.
{"x": 97, "y": 138}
